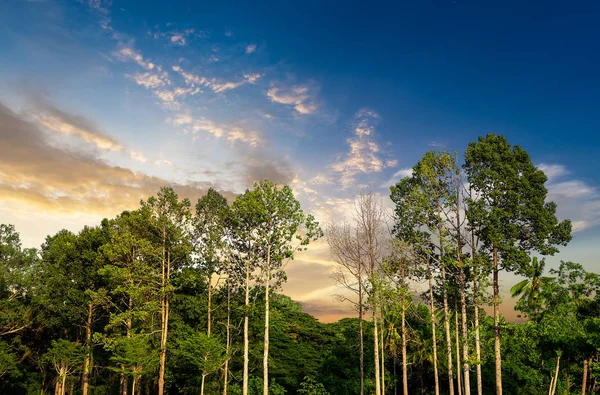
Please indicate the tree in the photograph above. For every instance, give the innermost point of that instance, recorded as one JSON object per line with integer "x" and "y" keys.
{"x": 277, "y": 219}
{"x": 529, "y": 289}
{"x": 169, "y": 230}
{"x": 203, "y": 352}
{"x": 510, "y": 213}
{"x": 344, "y": 244}
{"x": 66, "y": 358}
{"x": 311, "y": 387}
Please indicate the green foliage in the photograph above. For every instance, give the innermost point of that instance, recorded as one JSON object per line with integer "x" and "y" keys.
{"x": 311, "y": 387}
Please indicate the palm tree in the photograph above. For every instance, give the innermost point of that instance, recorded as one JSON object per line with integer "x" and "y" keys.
{"x": 529, "y": 289}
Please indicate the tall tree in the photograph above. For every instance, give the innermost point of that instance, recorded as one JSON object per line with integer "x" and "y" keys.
{"x": 170, "y": 231}
{"x": 510, "y": 213}
{"x": 344, "y": 245}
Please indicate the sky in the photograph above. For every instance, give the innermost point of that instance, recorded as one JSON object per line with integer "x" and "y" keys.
{"x": 103, "y": 102}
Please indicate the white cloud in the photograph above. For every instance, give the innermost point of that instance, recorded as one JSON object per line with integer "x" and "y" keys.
{"x": 321, "y": 179}
{"x": 297, "y": 96}
{"x": 137, "y": 156}
{"x": 365, "y": 155}
{"x": 251, "y": 48}
{"x": 161, "y": 162}
{"x": 575, "y": 199}
{"x": 178, "y": 39}
{"x": 553, "y": 171}
{"x": 128, "y": 53}
{"x": 397, "y": 176}
{"x": 231, "y": 133}
{"x": 150, "y": 80}
{"x": 214, "y": 84}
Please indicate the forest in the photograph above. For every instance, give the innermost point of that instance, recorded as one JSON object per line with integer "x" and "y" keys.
{"x": 181, "y": 297}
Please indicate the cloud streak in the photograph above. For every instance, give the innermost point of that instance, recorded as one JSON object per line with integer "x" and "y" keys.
{"x": 297, "y": 96}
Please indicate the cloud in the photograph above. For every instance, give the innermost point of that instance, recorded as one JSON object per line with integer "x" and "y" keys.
{"x": 321, "y": 179}
{"x": 127, "y": 53}
{"x": 364, "y": 156}
{"x": 297, "y": 96}
{"x": 51, "y": 118}
{"x": 553, "y": 171}
{"x": 178, "y": 39}
{"x": 161, "y": 162}
{"x": 575, "y": 199}
{"x": 231, "y": 133}
{"x": 150, "y": 80}
{"x": 251, "y": 48}
{"x": 215, "y": 85}
{"x": 138, "y": 156}
{"x": 36, "y": 173}
{"x": 397, "y": 176}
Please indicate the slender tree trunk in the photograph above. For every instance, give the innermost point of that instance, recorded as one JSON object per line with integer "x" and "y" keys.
{"x": 477, "y": 341}
{"x": 586, "y": 363}
{"x": 376, "y": 351}
{"x": 135, "y": 379}
{"x": 164, "y": 308}
{"x": 433, "y": 334}
{"x": 128, "y": 326}
{"x": 456, "y": 330}
{"x": 202, "y": 385}
{"x": 382, "y": 355}
{"x": 208, "y": 321}
{"x": 361, "y": 334}
{"x": 554, "y": 380}
{"x": 448, "y": 337}
{"x": 247, "y": 306}
{"x": 404, "y": 353}
{"x": 228, "y": 343}
{"x": 497, "y": 355}
{"x": 266, "y": 341}
{"x": 62, "y": 386}
{"x": 57, "y": 386}
{"x": 88, "y": 356}
{"x": 463, "y": 299}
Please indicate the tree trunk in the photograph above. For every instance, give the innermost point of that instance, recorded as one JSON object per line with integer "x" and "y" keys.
{"x": 209, "y": 306}
{"x": 477, "y": 341}
{"x": 433, "y": 334}
{"x": 123, "y": 380}
{"x": 62, "y": 386}
{"x": 376, "y": 351}
{"x": 555, "y": 378}
{"x": 382, "y": 355}
{"x": 585, "y": 373}
{"x": 456, "y": 330}
{"x": 497, "y": 355}
{"x": 88, "y": 356}
{"x": 266, "y": 340}
{"x": 247, "y": 306}
{"x": 361, "y": 334}
{"x": 135, "y": 379}
{"x": 463, "y": 299}
{"x": 228, "y": 342}
{"x": 404, "y": 354}
{"x": 448, "y": 337}
{"x": 202, "y": 385}
{"x": 57, "y": 386}
{"x": 164, "y": 309}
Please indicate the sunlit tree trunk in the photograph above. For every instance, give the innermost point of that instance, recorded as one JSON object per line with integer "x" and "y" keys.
{"x": 456, "y": 330}
{"x": 586, "y": 363}
{"x": 246, "y": 344}
{"x": 477, "y": 341}
{"x": 88, "y": 356}
{"x": 164, "y": 316}
{"x": 447, "y": 328}
{"x": 361, "y": 333}
{"x": 433, "y": 335}
{"x": 266, "y": 340}
{"x": 403, "y": 334}
{"x": 382, "y": 354}
{"x": 228, "y": 342}
{"x": 497, "y": 355}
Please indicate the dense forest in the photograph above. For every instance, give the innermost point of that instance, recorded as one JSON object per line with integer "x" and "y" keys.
{"x": 174, "y": 297}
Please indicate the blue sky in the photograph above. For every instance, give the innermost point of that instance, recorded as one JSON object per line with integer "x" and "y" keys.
{"x": 113, "y": 99}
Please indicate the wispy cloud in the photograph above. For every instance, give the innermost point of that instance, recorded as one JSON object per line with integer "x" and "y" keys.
{"x": 151, "y": 80}
{"x": 231, "y": 133}
{"x": 297, "y": 96}
{"x": 128, "y": 53}
{"x": 251, "y": 48}
{"x": 365, "y": 155}
{"x": 215, "y": 85}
